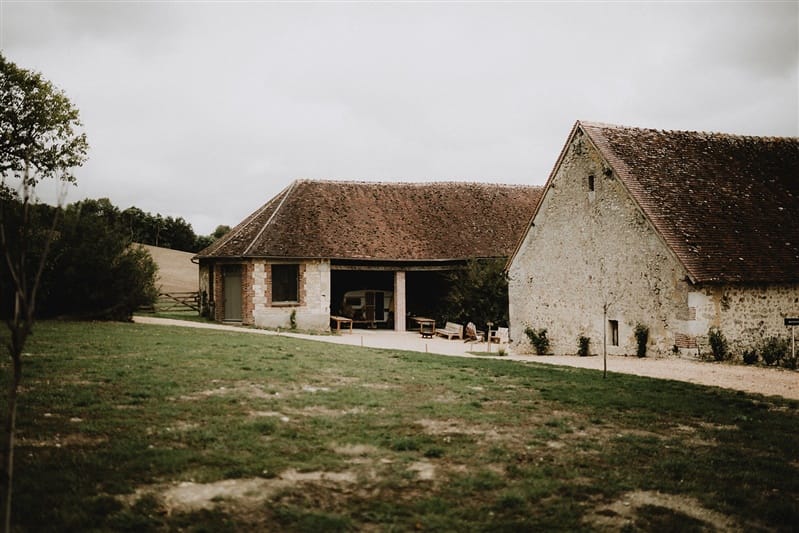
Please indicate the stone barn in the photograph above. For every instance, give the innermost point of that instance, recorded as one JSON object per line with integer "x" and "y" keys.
{"x": 677, "y": 231}
{"x": 319, "y": 247}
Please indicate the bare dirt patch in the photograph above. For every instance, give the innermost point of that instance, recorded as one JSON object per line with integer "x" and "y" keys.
{"x": 74, "y": 439}
{"x": 246, "y": 389}
{"x": 425, "y": 470}
{"x": 624, "y": 512}
{"x": 318, "y": 410}
{"x": 189, "y": 496}
{"x": 355, "y": 450}
{"x": 454, "y": 427}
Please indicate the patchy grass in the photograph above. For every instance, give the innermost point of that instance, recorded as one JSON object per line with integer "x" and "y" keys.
{"x": 134, "y": 427}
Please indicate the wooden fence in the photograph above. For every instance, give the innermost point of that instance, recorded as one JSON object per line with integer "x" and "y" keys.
{"x": 176, "y": 302}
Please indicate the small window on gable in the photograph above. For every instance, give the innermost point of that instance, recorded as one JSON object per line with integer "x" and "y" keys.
{"x": 285, "y": 283}
{"x": 591, "y": 182}
{"x": 613, "y": 325}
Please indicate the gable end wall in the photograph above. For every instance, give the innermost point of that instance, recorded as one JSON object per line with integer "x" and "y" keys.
{"x": 591, "y": 248}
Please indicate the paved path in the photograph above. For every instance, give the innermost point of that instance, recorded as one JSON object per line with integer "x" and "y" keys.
{"x": 766, "y": 381}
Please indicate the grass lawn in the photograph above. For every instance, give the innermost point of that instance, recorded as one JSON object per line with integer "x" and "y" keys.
{"x": 134, "y": 427}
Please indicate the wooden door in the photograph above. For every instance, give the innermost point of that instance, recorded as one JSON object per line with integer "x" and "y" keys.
{"x": 232, "y": 278}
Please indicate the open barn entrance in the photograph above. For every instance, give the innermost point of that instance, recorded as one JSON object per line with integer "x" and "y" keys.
{"x": 366, "y": 296}
{"x": 425, "y": 292}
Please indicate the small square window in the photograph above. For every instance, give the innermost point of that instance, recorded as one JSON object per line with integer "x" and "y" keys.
{"x": 285, "y": 283}
{"x": 613, "y": 325}
{"x": 590, "y": 183}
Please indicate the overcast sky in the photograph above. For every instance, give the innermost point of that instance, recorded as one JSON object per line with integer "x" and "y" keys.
{"x": 205, "y": 110}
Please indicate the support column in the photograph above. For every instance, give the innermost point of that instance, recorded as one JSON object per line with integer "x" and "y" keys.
{"x": 399, "y": 301}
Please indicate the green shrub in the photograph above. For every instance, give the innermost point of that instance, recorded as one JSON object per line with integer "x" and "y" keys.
{"x": 774, "y": 350}
{"x": 642, "y": 338}
{"x": 539, "y": 339}
{"x": 750, "y": 357}
{"x": 293, "y": 319}
{"x": 718, "y": 344}
{"x": 585, "y": 346}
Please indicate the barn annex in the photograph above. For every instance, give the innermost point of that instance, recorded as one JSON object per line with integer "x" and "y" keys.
{"x": 677, "y": 231}
{"x": 295, "y": 258}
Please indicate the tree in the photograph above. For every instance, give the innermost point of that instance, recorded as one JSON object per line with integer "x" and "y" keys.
{"x": 39, "y": 139}
{"x": 220, "y": 231}
{"x": 94, "y": 270}
{"x": 478, "y": 293}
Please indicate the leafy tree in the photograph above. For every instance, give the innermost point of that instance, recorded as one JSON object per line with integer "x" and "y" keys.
{"x": 166, "y": 232}
{"x": 204, "y": 241}
{"x": 178, "y": 234}
{"x": 95, "y": 272}
{"x": 39, "y": 139}
{"x": 478, "y": 293}
{"x": 220, "y": 231}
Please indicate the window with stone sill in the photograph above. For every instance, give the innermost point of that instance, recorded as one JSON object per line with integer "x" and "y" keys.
{"x": 285, "y": 284}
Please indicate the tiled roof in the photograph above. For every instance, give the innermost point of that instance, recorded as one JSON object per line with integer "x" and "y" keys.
{"x": 383, "y": 222}
{"x": 726, "y": 205}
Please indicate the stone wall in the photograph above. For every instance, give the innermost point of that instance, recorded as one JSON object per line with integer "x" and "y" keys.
{"x": 745, "y": 314}
{"x": 591, "y": 248}
{"x": 588, "y": 249}
{"x": 312, "y": 311}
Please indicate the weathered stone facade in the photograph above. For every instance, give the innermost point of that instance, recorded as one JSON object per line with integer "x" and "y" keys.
{"x": 592, "y": 263}
{"x": 745, "y": 314}
{"x": 311, "y": 311}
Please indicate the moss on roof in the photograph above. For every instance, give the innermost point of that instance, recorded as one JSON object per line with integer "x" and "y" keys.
{"x": 383, "y": 222}
{"x": 727, "y": 205}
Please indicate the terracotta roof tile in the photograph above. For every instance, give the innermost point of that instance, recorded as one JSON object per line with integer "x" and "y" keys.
{"x": 727, "y": 205}
{"x": 384, "y": 221}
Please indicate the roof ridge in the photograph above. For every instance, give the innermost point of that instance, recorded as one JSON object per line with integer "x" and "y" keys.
{"x": 698, "y": 133}
{"x": 409, "y": 183}
{"x": 285, "y": 194}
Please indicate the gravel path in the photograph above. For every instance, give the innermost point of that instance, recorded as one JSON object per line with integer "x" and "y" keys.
{"x": 766, "y": 381}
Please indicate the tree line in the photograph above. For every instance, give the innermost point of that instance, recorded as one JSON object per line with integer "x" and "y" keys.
{"x": 94, "y": 270}
{"x": 146, "y": 228}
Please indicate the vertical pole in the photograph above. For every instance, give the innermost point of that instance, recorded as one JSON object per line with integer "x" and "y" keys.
{"x": 793, "y": 342}
{"x": 604, "y": 340}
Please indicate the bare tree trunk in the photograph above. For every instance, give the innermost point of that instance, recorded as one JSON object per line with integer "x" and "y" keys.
{"x": 20, "y": 327}
{"x": 15, "y": 348}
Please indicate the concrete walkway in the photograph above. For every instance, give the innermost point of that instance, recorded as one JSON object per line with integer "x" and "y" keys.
{"x": 369, "y": 338}
{"x": 766, "y": 381}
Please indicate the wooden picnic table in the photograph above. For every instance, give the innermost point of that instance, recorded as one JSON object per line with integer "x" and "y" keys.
{"x": 341, "y": 320}
{"x": 427, "y": 326}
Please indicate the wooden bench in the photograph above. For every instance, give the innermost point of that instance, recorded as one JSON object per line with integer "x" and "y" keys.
{"x": 341, "y": 320}
{"x": 451, "y": 331}
{"x": 500, "y": 335}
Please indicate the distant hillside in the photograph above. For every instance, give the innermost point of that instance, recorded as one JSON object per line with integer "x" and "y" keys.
{"x": 176, "y": 272}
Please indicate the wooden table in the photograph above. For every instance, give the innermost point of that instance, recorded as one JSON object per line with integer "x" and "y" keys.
{"x": 427, "y": 326}
{"x": 341, "y": 320}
